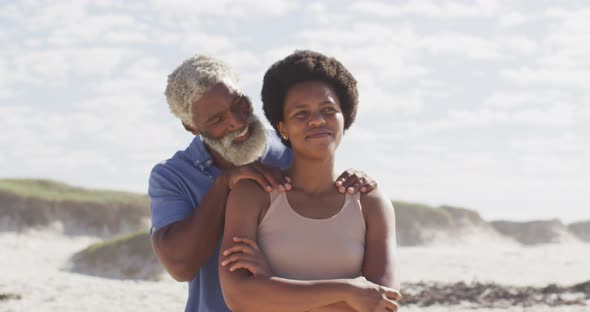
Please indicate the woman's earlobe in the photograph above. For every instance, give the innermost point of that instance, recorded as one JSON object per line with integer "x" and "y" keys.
{"x": 283, "y": 132}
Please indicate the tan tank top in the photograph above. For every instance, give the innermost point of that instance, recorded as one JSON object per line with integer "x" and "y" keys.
{"x": 302, "y": 248}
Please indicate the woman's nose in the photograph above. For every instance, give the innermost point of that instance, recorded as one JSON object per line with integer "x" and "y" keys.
{"x": 317, "y": 120}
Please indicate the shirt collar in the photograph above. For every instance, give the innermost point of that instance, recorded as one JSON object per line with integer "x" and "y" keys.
{"x": 198, "y": 154}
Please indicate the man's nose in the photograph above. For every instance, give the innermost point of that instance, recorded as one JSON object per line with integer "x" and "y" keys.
{"x": 237, "y": 120}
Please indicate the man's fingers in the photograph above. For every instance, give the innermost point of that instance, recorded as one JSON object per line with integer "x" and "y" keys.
{"x": 342, "y": 177}
{"x": 368, "y": 187}
{"x": 280, "y": 178}
{"x": 275, "y": 180}
{"x": 353, "y": 188}
{"x": 350, "y": 180}
{"x": 257, "y": 176}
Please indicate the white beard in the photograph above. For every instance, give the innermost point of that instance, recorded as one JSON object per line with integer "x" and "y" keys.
{"x": 244, "y": 152}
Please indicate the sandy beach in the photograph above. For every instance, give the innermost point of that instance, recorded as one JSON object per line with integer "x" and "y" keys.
{"x": 34, "y": 275}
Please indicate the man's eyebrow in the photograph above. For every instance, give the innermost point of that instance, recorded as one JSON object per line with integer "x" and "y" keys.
{"x": 213, "y": 117}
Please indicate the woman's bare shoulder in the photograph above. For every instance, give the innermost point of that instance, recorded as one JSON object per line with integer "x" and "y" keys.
{"x": 250, "y": 192}
{"x": 376, "y": 202}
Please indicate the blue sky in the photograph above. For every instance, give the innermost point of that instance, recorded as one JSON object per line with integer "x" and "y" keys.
{"x": 480, "y": 104}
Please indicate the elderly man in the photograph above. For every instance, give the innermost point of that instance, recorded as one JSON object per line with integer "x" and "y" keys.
{"x": 188, "y": 192}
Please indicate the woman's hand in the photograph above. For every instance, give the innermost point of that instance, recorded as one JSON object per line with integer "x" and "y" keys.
{"x": 370, "y": 297}
{"x": 245, "y": 254}
{"x": 353, "y": 181}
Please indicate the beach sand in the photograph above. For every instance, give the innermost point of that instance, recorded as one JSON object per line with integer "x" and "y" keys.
{"x": 33, "y": 275}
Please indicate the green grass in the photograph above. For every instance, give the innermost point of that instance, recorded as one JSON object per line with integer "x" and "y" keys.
{"x": 57, "y": 191}
{"x": 135, "y": 240}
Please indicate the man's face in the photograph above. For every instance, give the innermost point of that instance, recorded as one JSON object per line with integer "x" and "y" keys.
{"x": 224, "y": 118}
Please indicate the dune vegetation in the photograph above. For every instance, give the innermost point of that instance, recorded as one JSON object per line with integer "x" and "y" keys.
{"x": 56, "y": 191}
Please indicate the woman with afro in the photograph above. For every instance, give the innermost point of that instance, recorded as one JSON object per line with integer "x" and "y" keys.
{"x": 311, "y": 248}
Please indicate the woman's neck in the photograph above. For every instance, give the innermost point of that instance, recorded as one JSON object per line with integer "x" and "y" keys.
{"x": 312, "y": 176}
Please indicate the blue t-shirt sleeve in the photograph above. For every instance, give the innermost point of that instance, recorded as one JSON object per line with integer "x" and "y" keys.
{"x": 169, "y": 201}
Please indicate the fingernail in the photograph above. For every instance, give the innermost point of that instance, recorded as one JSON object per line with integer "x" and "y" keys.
{"x": 363, "y": 189}
{"x": 268, "y": 188}
{"x": 223, "y": 263}
{"x": 338, "y": 183}
{"x": 341, "y": 189}
{"x": 231, "y": 269}
{"x": 225, "y": 253}
{"x": 281, "y": 188}
{"x": 236, "y": 239}
{"x": 288, "y": 179}
{"x": 351, "y": 190}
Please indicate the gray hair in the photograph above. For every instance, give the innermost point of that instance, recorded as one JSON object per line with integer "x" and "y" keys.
{"x": 191, "y": 80}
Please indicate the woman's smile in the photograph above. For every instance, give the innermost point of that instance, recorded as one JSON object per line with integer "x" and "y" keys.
{"x": 318, "y": 133}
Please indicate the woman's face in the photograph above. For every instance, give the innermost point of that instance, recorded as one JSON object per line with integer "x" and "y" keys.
{"x": 312, "y": 121}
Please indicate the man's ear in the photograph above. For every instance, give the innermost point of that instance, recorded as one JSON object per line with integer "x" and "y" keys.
{"x": 190, "y": 129}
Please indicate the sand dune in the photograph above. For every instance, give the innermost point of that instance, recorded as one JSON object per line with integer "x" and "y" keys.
{"x": 42, "y": 204}
{"x": 71, "y": 255}
{"x": 128, "y": 257}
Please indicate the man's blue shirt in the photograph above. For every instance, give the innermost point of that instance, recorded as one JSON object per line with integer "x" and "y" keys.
{"x": 176, "y": 188}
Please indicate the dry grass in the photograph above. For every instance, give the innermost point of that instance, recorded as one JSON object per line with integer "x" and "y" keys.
{"x": 57, "y": 191}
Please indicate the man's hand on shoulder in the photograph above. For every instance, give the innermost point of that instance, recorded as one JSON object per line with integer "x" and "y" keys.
{"x": 353, "y": 181}
{"x": 266, "y": 176}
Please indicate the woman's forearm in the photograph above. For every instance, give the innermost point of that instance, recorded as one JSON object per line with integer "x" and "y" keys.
{"x": 335, "y": 307}
{"x": 267, "y": 293}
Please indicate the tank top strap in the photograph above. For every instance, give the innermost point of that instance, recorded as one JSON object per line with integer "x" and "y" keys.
{"x": 352, "y": 206}
{"x": 276, "y": 198}
{"x": 353, "y": 200}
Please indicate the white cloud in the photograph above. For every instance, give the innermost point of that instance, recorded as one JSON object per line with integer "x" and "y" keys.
{"x": 471, "y": 46}
{"x": 11, "y": 12}
{"x": 55, "y": 15}
{"x": 517, "y": 99}
{"x": 563, "y": 53}
{"x": 510, "y": 99}
{"x": 512, "y": 19}
{"x": 516, "y": 44}
{"x": 205, "y": 43}
{"x": 5, "y": 91}
{"x": 548, "y": 77}
{"x": 436, "y": 9}
{"x": 565, "y": 143}
{"x": 568, "y": 42}
{"x": 227, "y": 8}
{"x": 57, "y": 66}
{"x": 555, "y": 115}
{"x": 381, "y": 52}
{"x": 103, "y": 29}
{"x": 373, "y": 98}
